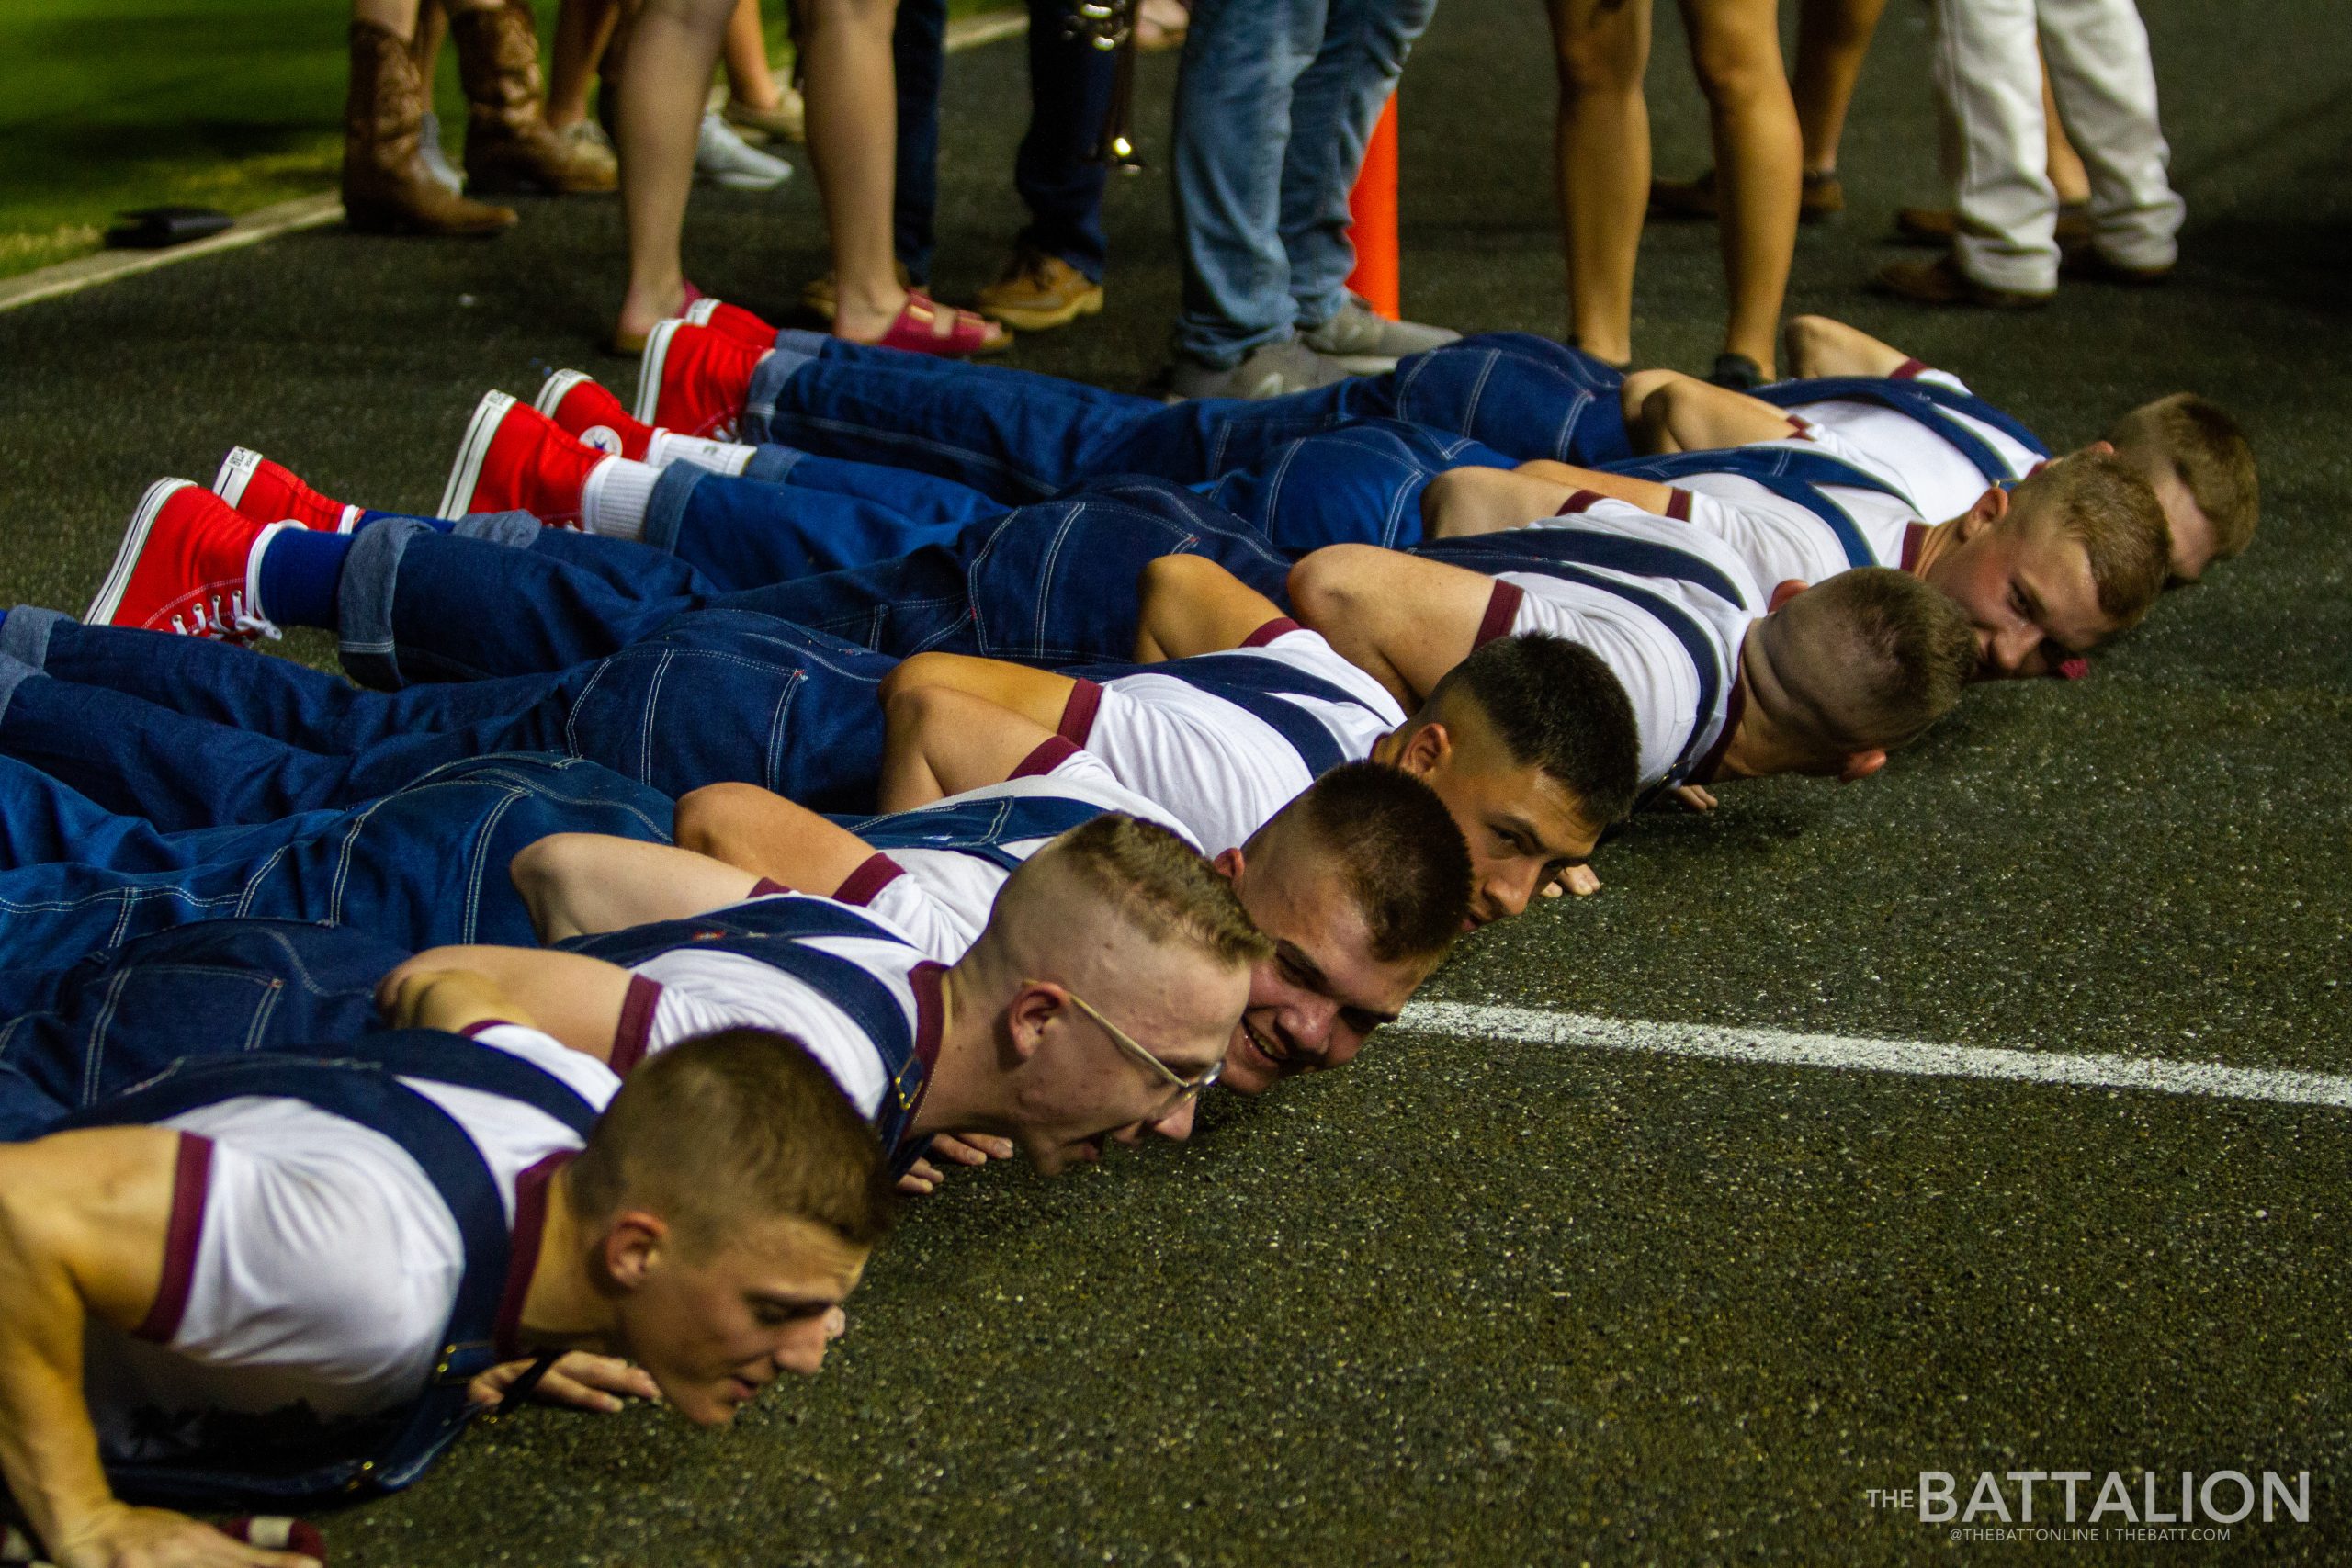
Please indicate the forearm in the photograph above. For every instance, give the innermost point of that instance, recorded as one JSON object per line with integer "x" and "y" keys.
{"x": 576, "y": 998}
{"x": 1463, "y": 502}
{"x": 576, "y": 883}
{"x": 48, "y": 1450}
{"x": 759, "y": 833}
{"x": 937, "y": 743}
{"x": 1821, "y": 346}
{"x": 1682, "y": 414}
{"x": 1192, "y": 605}
{"x": 1402, "y": 620}
{"x": 1647, "y": 494}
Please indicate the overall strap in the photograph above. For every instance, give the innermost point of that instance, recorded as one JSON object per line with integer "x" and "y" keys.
{"x": 978, "y": 827}
{"x": 1931, "y": 403}
{"x": 1791, "y": 475}
{"x": 1538, "y": 548}
{"x": 1257, "y": 686}
{"x": 451, "y": 1059}
{"x": 1705, "y": 655}
{"x": 372, "y": 1097}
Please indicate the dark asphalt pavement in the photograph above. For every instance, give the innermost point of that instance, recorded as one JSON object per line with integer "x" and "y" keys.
{"x": 1478, "y": 1302}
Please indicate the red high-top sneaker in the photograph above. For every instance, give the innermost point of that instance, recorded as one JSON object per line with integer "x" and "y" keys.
{"x": 694, "y": 379}
{"x": 733, "y": 320}
{"x": 515, "y": 459}
{"x": 184, "y": 567}
{"x": 581, "y": 407}
{"x": 268, "y": 492}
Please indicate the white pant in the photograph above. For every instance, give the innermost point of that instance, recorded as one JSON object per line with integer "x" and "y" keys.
{"x": 1988, "y": 91}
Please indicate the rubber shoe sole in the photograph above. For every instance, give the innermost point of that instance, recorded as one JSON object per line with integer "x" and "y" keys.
{"x": 465, "y": 474}
{"x": 126, "y": 559}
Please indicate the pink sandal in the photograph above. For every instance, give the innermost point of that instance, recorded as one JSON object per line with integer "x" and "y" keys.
{"x": 912, "y": 330}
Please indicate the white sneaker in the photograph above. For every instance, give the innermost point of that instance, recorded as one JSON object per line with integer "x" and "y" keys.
{"x": 436, "y": 161}
{"x": 723, "y": 158}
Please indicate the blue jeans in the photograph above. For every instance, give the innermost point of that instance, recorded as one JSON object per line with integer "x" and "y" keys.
{"x": 218, "y": 734}
{"x": 1053, "y": 582}
{"x": 1274, "y": 103}
{"x": 1020, "y": 437}
{"x": 422, "y": 867}
{"x": 78, "y": 1033}
{"x": 1070, "y": 95}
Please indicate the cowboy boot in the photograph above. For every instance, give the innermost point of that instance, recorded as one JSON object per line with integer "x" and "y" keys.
{"x": 508, "y": 144}
{"x": 386, "y": 189}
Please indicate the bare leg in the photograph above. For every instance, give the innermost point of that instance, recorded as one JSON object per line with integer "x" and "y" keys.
{"x": 396, "y": 18}
{"x": 583, "y": 28}
{"x": 1736, "y": 45}
{"x": 748, "y": 74}
{"x": 853, "y": 131}
{"x": 2071, "y": 181}
{"x": 1603, "y": 165}
{"x": 433, "y": 26}
{"x": 672, "y": 48}
{"x": 1833, "y": 37}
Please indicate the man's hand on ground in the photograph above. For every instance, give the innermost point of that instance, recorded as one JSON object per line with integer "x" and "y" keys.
{"x": 580, "y": 1380}
{"x": 125, "y": 1537}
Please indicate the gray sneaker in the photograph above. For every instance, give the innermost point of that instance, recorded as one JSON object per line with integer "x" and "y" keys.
{"x": 436, "y": 161}
{"x": 1364, "y": 345}
{"x": 723, "y": 158}
{"x": 1267, "y": 372}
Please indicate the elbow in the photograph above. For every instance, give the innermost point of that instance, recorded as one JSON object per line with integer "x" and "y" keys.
{"x": 709, "y": 818}
{"x": 923, "y": 671}
{"x": 1323, "y": 585}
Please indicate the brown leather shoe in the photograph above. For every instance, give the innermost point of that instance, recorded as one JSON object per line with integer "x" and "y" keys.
{"x": 1039, "y": 291}
{"x": 508, "y": 144}
{"x": 385, "y": 187}
{"x": 1937, "y": 226}
{"x": 1940, "y": 282}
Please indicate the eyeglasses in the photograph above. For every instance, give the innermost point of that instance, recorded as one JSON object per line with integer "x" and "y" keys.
{"x": 1186, "y": 1090}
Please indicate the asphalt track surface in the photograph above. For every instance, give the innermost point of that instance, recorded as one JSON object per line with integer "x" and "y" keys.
{"x": 1505, "y": 1292}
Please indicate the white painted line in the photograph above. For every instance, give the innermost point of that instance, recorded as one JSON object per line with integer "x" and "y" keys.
{"x": 1780, "y": 1048}
{"x": 84, "y": 271}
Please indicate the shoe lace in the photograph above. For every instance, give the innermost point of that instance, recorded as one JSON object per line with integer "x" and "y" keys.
{"x": 234, "y": 624}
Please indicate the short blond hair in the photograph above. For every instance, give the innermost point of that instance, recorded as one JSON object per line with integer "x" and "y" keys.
{"x": 2195, "y": 440}
{"x": 1875, "y": 654}
{"x": 1139, "y": 872}
{"x": 2103, "y": 502}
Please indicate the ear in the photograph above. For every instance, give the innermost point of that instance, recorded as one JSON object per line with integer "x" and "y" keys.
{"x": 1032, "y": 1008}
{"x": 633, "y": 1244}
{"x": 1786, "y": 590}
{"x": 1426, "y": 749}
{"x": 1860, "y": 765}
{"x": 1989, "y": 509}
{"x": 2105, "y": 446}
{"x": 1228, "y": 864}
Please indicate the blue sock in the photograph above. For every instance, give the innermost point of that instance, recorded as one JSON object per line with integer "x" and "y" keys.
{"x": 299, "y": 575}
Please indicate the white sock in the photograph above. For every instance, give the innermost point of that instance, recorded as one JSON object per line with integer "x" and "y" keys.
{"x": 613, "y": 501}
{"x": 720, "y": 457}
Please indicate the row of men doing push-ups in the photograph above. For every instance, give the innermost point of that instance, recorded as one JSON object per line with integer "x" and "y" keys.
{"x": 1164, "y": 745}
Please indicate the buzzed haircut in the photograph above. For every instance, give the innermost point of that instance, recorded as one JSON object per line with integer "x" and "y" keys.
{"x": 734, "y": 1130}
{"x": 1556, "y": 705}
{"x": 1887, "y": 655}
{"x": 2195, "y": 441}
{"x": 1161, "y": 886}
{"x": 1396, "y": 850}
{"x": 2105, "y": 502}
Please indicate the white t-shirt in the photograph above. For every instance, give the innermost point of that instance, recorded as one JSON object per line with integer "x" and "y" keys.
{"x": 1778, "y": 540}
{"x": 1216, "y": 767}
{"x": 1678, "y": 719}
{"x": 691, "y": 991}
{"x": 942, "y": 897}
{"x": 311, "y": 1261}
{"x": 1911, "y": 457}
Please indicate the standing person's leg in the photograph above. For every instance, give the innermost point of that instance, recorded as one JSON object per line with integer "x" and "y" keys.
{"x": 583, "y": 29}
{"x": 1334, "y": 106}
{"x": 1603, "y": 165}
{"x": 1989, "y": 92}
{"x": 1735, "y": 46}
{"x": 1833, "y": 39}
{"x": 918, "y": 62}
{"x": 852, "y": 139}
{"x": 1056, "y": 273}
{"x": 509, "y": 145}
{"x": 673, "y": 47}
{"x": 2105, "y": 83}
{"x": 1233, "y": 108}
{"x": 385, "y": 185}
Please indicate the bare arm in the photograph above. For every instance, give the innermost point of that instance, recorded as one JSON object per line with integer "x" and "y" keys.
{"x": 1647, "y": 494}
{"x": 1403, "y": 620}
{"x": 570, "y": 995}
{"x": 1820, "y": 346}
{"x": 1461, "y": 502}
{"x": 574, "y": 883}
{"x": 1192, "y": 605}
{"x": 83, "y": 1223}
{"x": 1668, "y": 412}
{"x": 939, "y": 741}
{"x": 759, "y": 831}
